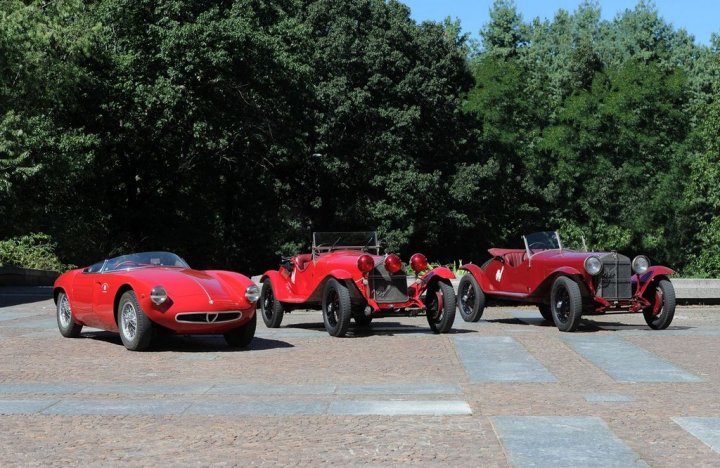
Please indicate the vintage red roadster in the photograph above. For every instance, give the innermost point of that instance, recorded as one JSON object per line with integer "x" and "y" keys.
{"x": 347, "y": 278}
{"x": 567, "y": 284}
{"x": 143, "y": 293}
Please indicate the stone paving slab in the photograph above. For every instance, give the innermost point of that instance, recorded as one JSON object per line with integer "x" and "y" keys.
{"x": 499, "y": 359}
{"x": 599, "y": 397}
{"x": 561, "y": 441}
{"x": 705, "y": 429}
{"x": 625, "y": 362}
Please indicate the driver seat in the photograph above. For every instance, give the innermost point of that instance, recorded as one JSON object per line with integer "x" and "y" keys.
{"x": 302, "y": 261}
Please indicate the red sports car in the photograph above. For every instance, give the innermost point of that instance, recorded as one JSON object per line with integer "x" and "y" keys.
{"x": 567, "y": 284}
{"x": 140, "y": 293}
{"x": 346, "y": 277}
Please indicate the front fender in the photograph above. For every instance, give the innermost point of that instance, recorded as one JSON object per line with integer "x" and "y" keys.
{"x": 442, "y": 272}
{"x": 567, "y": 271}
{"x": 280, "y": 285}
{"x": 652, "y": 273}
{"x": 479, "y": 276}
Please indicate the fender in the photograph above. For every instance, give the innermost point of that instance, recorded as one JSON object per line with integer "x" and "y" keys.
{"x": 652, "y": 273}
{"x": 280, "y": 286}
{"x": 441, "y": 272}
{"x": 479, "y": 276}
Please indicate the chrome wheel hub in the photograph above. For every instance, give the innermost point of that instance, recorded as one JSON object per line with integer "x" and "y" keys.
{"x": 65, "y": 314}
{"x": 128, "y": 321}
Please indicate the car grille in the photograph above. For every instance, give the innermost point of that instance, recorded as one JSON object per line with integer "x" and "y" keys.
{"x": 615, "y": 277}
{"x": 386, "y": 288}
{"x": 208, "y": 317}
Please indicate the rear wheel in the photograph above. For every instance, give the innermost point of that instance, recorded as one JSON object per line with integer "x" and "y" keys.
{"x": 566, "y": 304}
{"x": 272, "y": 309}
{"x": 66, "y": 324}
{"x": 242, "y": 336}
{"x": 471, "y": 299}
{"x": 135, "y": 328}
{"x": 440, "y": 307}
{"x": 336, "y": 307}
{"x": 665, "y": 299}
{"x": 546, "y": 312}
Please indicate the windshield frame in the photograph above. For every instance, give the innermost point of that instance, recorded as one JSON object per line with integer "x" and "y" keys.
{"x": 141, "y": 260}
{"x": 326, "y": 242}
{"x": 539, "y": 237}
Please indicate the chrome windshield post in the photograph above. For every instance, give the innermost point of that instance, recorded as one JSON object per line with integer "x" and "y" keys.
{"x": 527, "y": 251}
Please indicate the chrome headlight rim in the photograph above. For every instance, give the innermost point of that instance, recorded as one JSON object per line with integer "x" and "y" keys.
{"x": 252, "y": 293}
{"x": 640, "y": 264}
{"x": 593, "y": 265}
{"x": 158, "y": 295}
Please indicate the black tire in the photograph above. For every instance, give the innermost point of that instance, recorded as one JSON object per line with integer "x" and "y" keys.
{"x": 358, "y": 313}
{"x": 566, "y": 304}
{"x": 546, "y": 312}
{"x": 242, "y": 336}
{"x": 136, "y": 330}
{"x": 440, "y": 319}
{"x": 66, "y": 324}
{"x": 272, "y": 309}
{"x": 665, "y": 292}
{"x": 470, "y": 299}
{"x": 336, "y": 308}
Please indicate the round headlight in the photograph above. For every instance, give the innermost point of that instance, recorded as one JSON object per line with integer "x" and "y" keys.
{"x": 252, "y": 293}
{"x": 158, "y": 295}
{"x": 393, "y": 264}
{"x": 640, "y": 264}
{"x": 418, "y": 262}
{"x": 593, "y": 265}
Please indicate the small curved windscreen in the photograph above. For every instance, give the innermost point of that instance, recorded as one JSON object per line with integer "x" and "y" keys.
{"x": 144, "y": 260}
{"x": 546, "y": 240}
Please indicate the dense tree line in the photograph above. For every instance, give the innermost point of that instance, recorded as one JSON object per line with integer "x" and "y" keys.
{"x": 228, "y": 131}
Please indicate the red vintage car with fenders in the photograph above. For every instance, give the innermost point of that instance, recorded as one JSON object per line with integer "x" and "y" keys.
{"x": 143, "y": 293}
{"x": 566, "y": 284}
{"x": 347, "y": 278}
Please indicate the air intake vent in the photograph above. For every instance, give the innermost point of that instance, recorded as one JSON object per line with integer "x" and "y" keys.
{"x": 387, "y": 288}
{"x": 615, "y": 277}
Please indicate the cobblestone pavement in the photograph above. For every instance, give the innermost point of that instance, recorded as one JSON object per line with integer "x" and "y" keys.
{"x": 508, "y": 390}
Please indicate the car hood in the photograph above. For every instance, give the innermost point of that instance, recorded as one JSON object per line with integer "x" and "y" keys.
{"x": 184, "y": 282}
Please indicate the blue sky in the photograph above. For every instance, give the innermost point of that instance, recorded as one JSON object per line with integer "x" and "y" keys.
{"x": 700, "y": 18}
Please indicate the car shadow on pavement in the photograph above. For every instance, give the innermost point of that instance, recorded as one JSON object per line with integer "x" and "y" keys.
{"x": 377, "y": 328}
{"x": 191, "y": 344}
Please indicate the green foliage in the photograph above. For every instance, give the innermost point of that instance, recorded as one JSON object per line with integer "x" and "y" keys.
{"x": 229, "y": 131}
{"x": 36, "y": 251}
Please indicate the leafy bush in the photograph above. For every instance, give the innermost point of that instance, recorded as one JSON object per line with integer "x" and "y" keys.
{"x": 35, "y": 250}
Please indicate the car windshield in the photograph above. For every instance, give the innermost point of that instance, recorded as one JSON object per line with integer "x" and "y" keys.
{"x": 546, "y": 240}
{"x": 329, "y": 241}
{"x": 144, "y": 260}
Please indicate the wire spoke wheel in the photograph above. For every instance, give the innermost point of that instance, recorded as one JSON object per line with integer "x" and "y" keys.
{"x": 65, "y": 314}
{"x": 129, "y": 321}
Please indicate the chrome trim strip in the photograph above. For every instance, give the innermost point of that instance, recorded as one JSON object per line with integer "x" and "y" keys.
{"x": 208, "y": 316}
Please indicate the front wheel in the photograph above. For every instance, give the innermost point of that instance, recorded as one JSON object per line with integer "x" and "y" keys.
{"x": 566, "y": 304}
{"x": 665, "y": 301}
{"x": 440, "y": 307}
{"x": 336, "y": 307}
{"x": 242, "y": 336}
{"x": 135, "y": 328}
{"x": 272, "y": 309}
{"x": 66, "y": 324}
{"x": 471, "y": 299}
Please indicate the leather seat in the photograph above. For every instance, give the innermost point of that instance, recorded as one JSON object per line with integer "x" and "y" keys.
{"x": 302, "y": 261}
{"x": 514, "y": 258}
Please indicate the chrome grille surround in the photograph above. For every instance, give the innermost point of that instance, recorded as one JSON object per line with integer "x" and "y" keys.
{"x": 614, "y": 280}
{"x": 209, "y": 317}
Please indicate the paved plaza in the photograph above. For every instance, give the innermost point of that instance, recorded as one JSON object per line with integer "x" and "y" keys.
{"x": 510, "y": 390}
